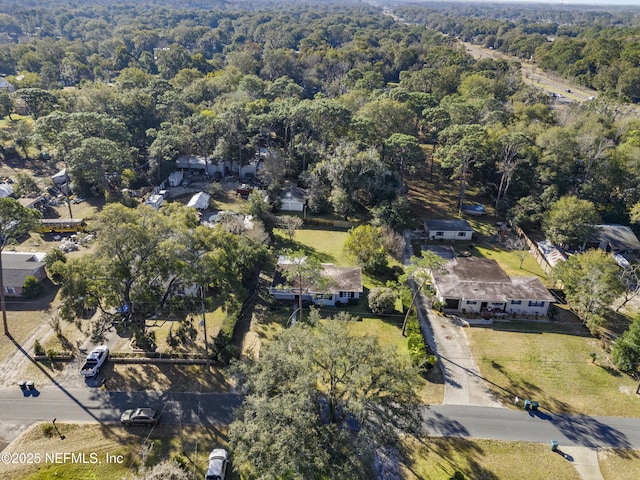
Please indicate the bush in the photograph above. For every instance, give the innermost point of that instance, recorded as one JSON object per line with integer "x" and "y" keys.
{"x": 31, "y": 287}
{"x": 48, "y": 430}
{"x": 382, "y": 300}
{"x": 38, "y": 349}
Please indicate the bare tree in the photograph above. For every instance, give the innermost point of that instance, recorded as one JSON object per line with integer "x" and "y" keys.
{"x": 630, "y": 277}
{"x": 291, "y": 223}
{"x": 518, "y": 246}
{"x": 512, "y": 146}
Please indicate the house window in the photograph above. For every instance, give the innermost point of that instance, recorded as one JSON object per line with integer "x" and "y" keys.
{"x": 534, "y": 303}
{"x": 439, "y": 234}
{"x": 462, "y": 234}
{"x": 516, "y": 302}
{"x": 322, "y": 296}
{"x": 496, "y": 304}
{"x": 346, "y": 294}
{"x": 11, "y": 290}
{"x": 471, "y": 302}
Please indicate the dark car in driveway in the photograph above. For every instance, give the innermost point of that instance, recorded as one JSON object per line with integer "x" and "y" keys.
{"x": 140, "y": 416}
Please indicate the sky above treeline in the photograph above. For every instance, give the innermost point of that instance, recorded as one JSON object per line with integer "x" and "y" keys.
{"x": 602, "y": 3}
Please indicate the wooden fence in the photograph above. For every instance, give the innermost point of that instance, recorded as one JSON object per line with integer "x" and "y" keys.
{"x": 533, "y": 249}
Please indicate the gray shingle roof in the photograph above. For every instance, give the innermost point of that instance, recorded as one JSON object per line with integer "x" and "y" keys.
{"x": 483, "y": 279}
{"x": 447, "y": 225}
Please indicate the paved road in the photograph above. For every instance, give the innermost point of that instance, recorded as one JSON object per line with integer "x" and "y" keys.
{"x": 97, "y": 405}
{"x": 531, "y": 74}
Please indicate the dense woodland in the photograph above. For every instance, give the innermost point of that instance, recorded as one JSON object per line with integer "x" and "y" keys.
{"x": 343, "y": 94}
{"x": 598, "y": 47}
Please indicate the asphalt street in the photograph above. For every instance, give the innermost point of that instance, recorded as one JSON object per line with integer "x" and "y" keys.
{"x": 98, "y": 405}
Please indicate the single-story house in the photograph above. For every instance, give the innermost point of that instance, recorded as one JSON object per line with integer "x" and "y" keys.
{"x": 478, "y": 285}
{"x": 16, "y": 267}
{"x": 293, "y": 199}
{"x": 340, "y": 285}
{"x": 448, "y": 229}
{"x": 200, "y": 201}
{"x": 617, "y": 239}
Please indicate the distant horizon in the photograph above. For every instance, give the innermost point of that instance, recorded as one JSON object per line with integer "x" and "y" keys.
{"x": 557, "y": 3}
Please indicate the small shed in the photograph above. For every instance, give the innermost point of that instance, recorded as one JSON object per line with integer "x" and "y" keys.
{"x": 199, "y": 201}
{"x": 293, "y": 199}
{"x": 175, "y": 178}
{"x": 448, "y": 229}
{"x": 155, "y": 201}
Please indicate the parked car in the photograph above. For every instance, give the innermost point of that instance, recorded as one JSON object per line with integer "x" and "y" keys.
{"x": 218, "y": 460}
{"x": 140, "y": 416}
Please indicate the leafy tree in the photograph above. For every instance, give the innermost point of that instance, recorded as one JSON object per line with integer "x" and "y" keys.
{"x": 6, "y": 104}
{"x": 364, "y": 244}
{"x": 50, "y": 259}
{"x": 382, "y": 300}
{"x": 324, "y": 402}
{"x": 626, "y": 349}
{"x": 25, "y": 184}
{"x": 39, "y": 102}
{"x": 15, "y": 221}
{"x": 32, "y": 287}
{"x": 591, "y": 282}
{"x": 635, "y": 213}
{"x": 403, "y": 152}
{"x": 96, "y": 165}
{"x": 144, "y": 257}
{"x": 462, "y": 147}
{"x": 418, "y": 273}
{"x": 570, "y": 221}
{"x": 302, "y": 272}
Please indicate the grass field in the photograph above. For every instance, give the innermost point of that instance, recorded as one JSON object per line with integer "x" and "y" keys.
{"x": 190, "y": 444}
{"x": 619, "y": 463}
{"x": 551, "y": 363}
{"x": 443, "y": 458}
{"x": 432, "y": 459}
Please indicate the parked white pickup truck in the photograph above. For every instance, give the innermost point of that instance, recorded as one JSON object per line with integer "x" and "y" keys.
{"x": 94, "y": 361}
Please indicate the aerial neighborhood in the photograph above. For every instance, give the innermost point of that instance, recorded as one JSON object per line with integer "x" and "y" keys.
{"x": 319, "y": 240}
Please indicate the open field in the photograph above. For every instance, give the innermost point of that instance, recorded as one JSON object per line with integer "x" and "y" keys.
{"x": 551, "y": 363}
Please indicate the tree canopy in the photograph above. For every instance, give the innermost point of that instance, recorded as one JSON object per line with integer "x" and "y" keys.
{"x": 321, "y": 402}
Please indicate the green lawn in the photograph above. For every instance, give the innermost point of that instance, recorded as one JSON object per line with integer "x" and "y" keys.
{"x": 551, "y": 363}
{"x": 510, "y": 261}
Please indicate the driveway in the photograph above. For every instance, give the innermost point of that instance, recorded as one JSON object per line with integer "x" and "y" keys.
{"x": 463, "y": 384}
